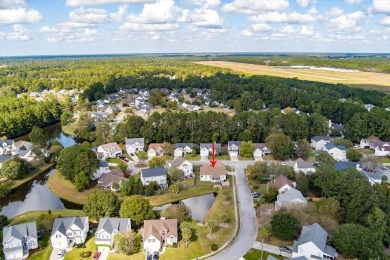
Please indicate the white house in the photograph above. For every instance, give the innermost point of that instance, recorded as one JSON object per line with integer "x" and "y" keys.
{"x": 69, "y": 231}
{"x": 369, "y": 107}
{"x": 155, "y": 149}
{"x": 6, "y": 146}
{"x": 302, "y": 166}
{"x": 20, "y": 146}
{"x": 382, "y": 150}
{"x": 318, "y": 142}
{"x": 261, "y": 149}
{"x": 182, "y": 149}
{"x": 103, "y": 168}
{"x": 339, "y": 152}
{"x": 158, "y": 233}
{"x": 213, "y": 174}
{"x": 182, "y": 164}
{"x": 134, "y": 145}
{"x": 18, "y": 240}
{"x": 108, "y": 228}
{"x": 110, "y": 150}
{"x": 108, "y": 179}
{"x": 312, "y": 244}
{"x": 292, "y": 198}
{"x": 157, "y": 174}
{"x": 281, "y": 183}
{"x": 206, "y": 149}
{"x": 234, "y": 148}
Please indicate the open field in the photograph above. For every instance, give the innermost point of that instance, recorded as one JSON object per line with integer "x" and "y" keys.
{"x": 376, "y": 81}
{"x": 33, "y": 215}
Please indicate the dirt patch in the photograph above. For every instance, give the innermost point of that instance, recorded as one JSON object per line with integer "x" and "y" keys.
{"x": 224, "y": 225}
{"x": 226, "y": 203}
{"x": 264, "y": 213}
{"x": 211, "y": 236}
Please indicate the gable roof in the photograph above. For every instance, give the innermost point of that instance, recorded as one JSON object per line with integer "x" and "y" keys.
{"x": 153, "y": 172}
{"x": 208, "y": 146}
{"x": 21, "y": 143}
{"x": 109, "y": 178}
{"x": 20, "y": 231}
{"x": 340, "y": 165}
{"x": 130, "y": 141}
{"x": 313, "y": 233}
{"x": 178, "y": 161}
{"x": 236, "y": 143}
{"x": 217, "y": 171}
{"x": 183, "y": 145}
{"x": 260, "y": 146}
{"x": 331, "y": 146}
{"x": 280, "y": 181}
{"x": 63, "y": 224}
{"x": 110, "y": 146}
{"x": 8, "y": 142}
{"x": 110, "y": 224}
{"x": 291, "y": 195}
{"x": 152, "y": 227}
{"x": 156, "y": 146}
{"x": 319, "y": 138}
{"x": 303, "y": 164}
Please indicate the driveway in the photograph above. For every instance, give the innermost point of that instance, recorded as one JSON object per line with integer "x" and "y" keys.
{"x": 53, "y": 255}
{"x": 104, "y": 255}
{"x": 270, "y": 249}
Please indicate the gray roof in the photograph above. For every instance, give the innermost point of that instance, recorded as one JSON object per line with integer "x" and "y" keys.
{"x": 209, "y": 146}
{"x": 130, "y": 141}
{"x": 299, "y": 258}
{"x": 290, "y": 195}
{"x": 63, "y": 224}
{"x": 260, "y": 146}
{"x": 8, "y": 142}
{"x": 183, "y": 145}
{"x": 303, "y": 164}
{"x": 270, "y": 257}
{"x": 317, "y": 235}
{"x": 178, "y": 161}
{"x": 319, "y": 138}
{"x": 237, "y": 143}
{"x": 19, "y": 232}
{"x": 111, "y": 224}
{"x": 331, "y": 146}
{"x": 4, "y": 158}
{"x": 340, "y": 166}
{"x": 103, "y": 164}
{"x": 153, "y": 172}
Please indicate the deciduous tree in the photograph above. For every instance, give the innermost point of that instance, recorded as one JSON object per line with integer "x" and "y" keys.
{"x": 101, "y": 203}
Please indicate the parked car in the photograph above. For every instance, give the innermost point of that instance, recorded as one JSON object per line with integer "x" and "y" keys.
{"x": 285, "y": 249}
{"x": 156, "y": 256}
{"x": 149, "y": 257}
{"x": 96, "y": 255}
{"x": 61, "y": 253}
{"x": 283, "y": 163}
{"x": 256, "y": 195}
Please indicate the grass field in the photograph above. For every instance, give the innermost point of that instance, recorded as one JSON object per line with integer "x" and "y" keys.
{"x": 33, "y": 215}
{"x": 255, "y": 254}
{"x": 376, "y": 81}
{"x": 71, "y": 127}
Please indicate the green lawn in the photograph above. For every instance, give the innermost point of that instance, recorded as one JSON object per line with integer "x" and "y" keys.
{"x": 114, "y": 160}
{"x": 192, "y": 158}
{"x": 75, "y": 253}
{"x": 71, "y": 127}
{"x": 274, "y": 241}
{"x": 224, "y": 157}
{"x": 242, "y": 158}
{"x": 365, "y": 151}
{"x": 16, "y": 183}
{"x": 44, "y": 253}
{"x": 139, "y": 256}
{"x": 255, "y": 254}
{"x": 384, "y": 159}
{"x": 167, "y": 158}
{"x": 33, "y": 215}
{"x": 127, "y": 156}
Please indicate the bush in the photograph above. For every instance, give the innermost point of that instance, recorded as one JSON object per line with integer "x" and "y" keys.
{"x": 214, "y": 247}
{"x": 284, "y": 226}
{"x": 85, "y": 254}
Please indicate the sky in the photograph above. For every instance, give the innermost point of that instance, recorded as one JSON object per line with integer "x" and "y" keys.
{"x": 60, "y": 27}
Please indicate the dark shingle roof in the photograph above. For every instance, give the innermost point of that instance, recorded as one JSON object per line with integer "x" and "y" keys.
{"x": 63, "y": 224}
{"x": 183, "y": 145}
{"x": 318, "y": 138}
{"x": 209, "y": 146}
{"x": 153, "y": 172}
{"x": 111, "y": 224}
{"x": 340, "y": 166}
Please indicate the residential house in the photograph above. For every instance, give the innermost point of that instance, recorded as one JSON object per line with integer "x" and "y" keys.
{"x": 289, "y": 110}
{"x": 69, "y": 231}
{"x": 281, "y": 183}
{"x": 369, "y": 107}
{"x": 182, "y": 164}
{"x": 108, "y": 179}
{"x": 213, "y": 174}
{"x": 155, "y": 149}
{"x": 338, "y": 152}
{"x": 375, "y": 177}
{"x": 318, "y": 142}
{"x": 261, "y": 149}
{"x": 291, "y": 198}
{"x": 134, "y": 145}
{"x": 342, "y": 165}
{"x": 21, "y": 146}
{"x": 110, "y": 150}
{"x": 157, "y": 174}
{"x": 103, "y": 168}
{"x": 302, "y": 166}
{"x": 182, "y": 149}
{"x": 108, "y": 228}
{"x": 6, "y": 146}
{"x": 370, "y": 142}
{"x": 234, "y": 148}
{"x": 18, "y": 240}
{"x": 312, "y": 244}
{"x": 207, "y": 149}
{"x": 158, "y": 233}
{"x": 4, "y": 158}
{"x": 382, "y": 150}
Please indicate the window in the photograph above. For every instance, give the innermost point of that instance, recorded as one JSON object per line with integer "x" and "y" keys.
{"x": 151, "y": 240}
{"x": 58, "y": 236}
{"x": 163, "y": 233}
{"x": 172, "y": 239}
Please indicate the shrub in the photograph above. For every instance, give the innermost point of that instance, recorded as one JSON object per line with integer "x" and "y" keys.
{"x": 214, "y": 247}
{"x": 85, "y": 254}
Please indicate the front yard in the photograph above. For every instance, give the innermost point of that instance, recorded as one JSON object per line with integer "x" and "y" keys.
{"x": 255, "y": 254}
{"x": 33, "y": 215}
{"x": 75, "y": 252}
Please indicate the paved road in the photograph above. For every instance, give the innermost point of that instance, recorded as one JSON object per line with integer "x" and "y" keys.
{"x": 248, "y": 226}
{"x": 270, "y": 249}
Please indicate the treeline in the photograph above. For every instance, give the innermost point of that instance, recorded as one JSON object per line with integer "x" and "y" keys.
{"x": 19, "y": 115}
{"x": 368, "y": 64}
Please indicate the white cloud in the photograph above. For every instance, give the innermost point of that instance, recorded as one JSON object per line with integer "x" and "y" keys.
{"x": 2, "y": 35}
{"x": 202, "y": 17}
{"x": 246, "y": 33}
{"x": 20, "y": 33}
{"x": 91, "y": 15}
{"x": 260, "y": 27}
{"x": 161, "y": 12}
{"x": 139, "y": 27}
{"x": 381, "y": 6}
{"x": 307, "y": 31}
{"x": 288, "y": 29}
{"x": 254, "y": 6}
{"x": 121, "y": 14}
{"x": 346, "y": 22}
{"x": 8, "y": 4}
{"x": 386, "y": 20}
{"x": 335, "y": 11}
{"x": 276, "y": 17}
{"x": 20, "y": 16}
{"x": 204, "y": 3}
{"x": 350, "y": 2}
{"x": 305, "y": 3}
{"x": 101, "y": 2}
{"x": 68, "y": 32}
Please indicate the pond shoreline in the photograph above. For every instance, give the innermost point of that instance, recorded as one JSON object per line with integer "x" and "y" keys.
{"x": 41, "y": 170}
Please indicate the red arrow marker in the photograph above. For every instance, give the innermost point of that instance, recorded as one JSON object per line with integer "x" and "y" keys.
{"x": 213, "y": 161}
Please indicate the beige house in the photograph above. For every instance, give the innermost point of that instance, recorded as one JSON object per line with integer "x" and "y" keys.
{"x": 158, "y": 233}
{"x": 214, "y": 174}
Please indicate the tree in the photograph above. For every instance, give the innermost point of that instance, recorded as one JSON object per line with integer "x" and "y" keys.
{"x": 45, "y": 222}
{"x": 136, "y": 208}
{"x": 156, "y": 161}
{"x": 142, "y": 156}
{"x": 15, "y": 168}
{"x": 101, "y": 203}
{"x": 122, "y": 166}
{"x": 247, "y": 149}
{"x": 103, "y": 134}
{"x": 3, "y": 221}
{"x": 356, "y": 241}
{"x": 271, "y": 195}
{"x": 303, "y": 149}
{"x": 354, "y": 155}
{"x": 370, "y": 163}
{"x": 344, "y": 142}
{"x": 325, "y": 158}
{"x": 211, "y": 225}
{"x": 264, "y": 231}
{"x": 284, "y": 226}
{"x": 186, "y": 232}
{"x": 302, "y": 182}
{"x": 174, "y": 188}
{"x": 224, "y": 218}
{"x": 281, "y": 145}
{"x": 37, "y": 137}
{"x": 377, "y": 222}
{"x": 180, "y": 212}
{"x": 127, "y": 242}
{"x": 257, "y": 172}
{"x": 81, "y": 181}
{"x": 65, "y": 117}
{"x": 168, "y": 148}
{"x": 175, "y": 173}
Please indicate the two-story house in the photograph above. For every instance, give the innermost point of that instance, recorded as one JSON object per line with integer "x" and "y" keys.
{"x": 155, "y": 149}
{"x": 108, "y": 228}
{"x": 312, "y": 244}
{"x": 6, "y": 146}
{"x": 182, "y": 164}
{"x": 339, "y": 152}
{"x": 134, "y": 145}
{"x": 302, "y": 166}
{"x": 206, "y": 149}
{"x": 108, "y": 179}
{"x": 157, "y": 174}
{"x": 158, "y": 233}
{"x": 382, "y": 150}
{"x": 261, "y": 149}
{"x": 182, "y": 149}
{"x": 281, "y": 183}
{"x": 318, "y": 142}
{"x": 110, "y": 150}
{"x": 234, "y": 148}
{"x": 213, "y": 174}
{"x": 18, "y": 240}
{"x": 69, "y": 231}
